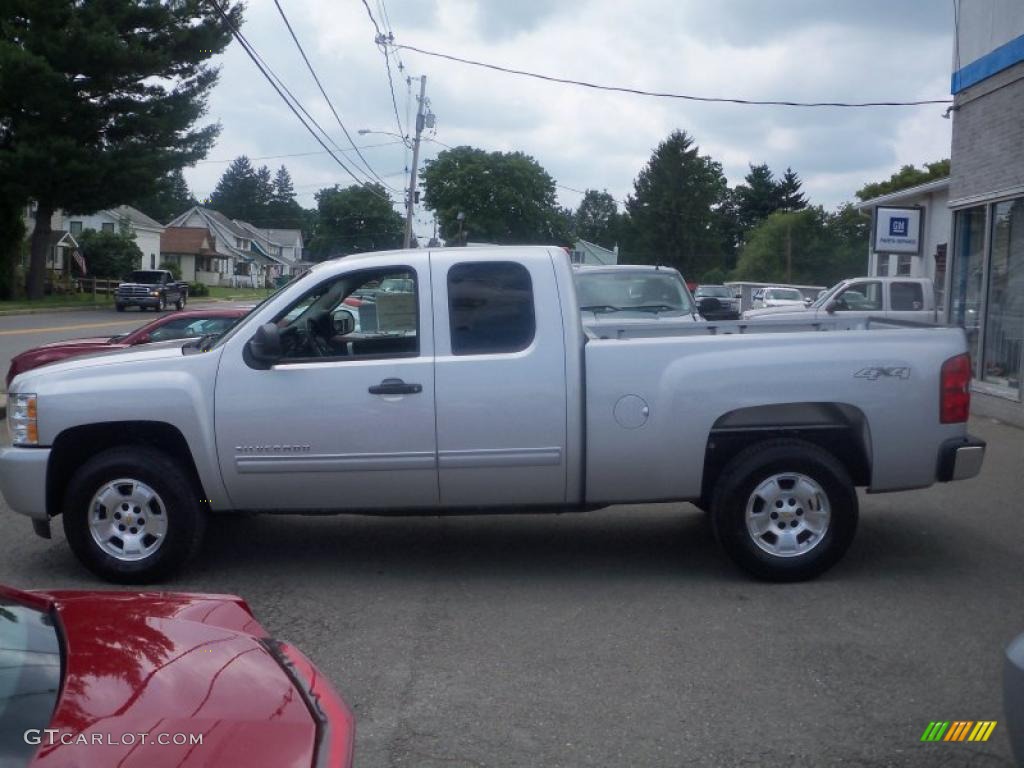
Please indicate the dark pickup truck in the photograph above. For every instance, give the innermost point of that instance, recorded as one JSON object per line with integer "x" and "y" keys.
{"x": 154, "y": 288}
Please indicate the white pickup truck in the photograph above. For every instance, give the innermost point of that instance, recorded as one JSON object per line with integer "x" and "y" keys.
{"x": 895, "y": 298}
{"x": 479, "y": 390}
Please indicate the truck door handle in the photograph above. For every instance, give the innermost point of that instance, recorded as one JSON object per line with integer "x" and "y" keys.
{"x": 395, "y": 387}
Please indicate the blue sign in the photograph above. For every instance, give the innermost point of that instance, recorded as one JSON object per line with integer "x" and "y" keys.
{"x": 898, "y": 226}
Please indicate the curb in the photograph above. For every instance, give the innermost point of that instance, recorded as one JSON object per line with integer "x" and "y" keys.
{"x": 45, "y": 310}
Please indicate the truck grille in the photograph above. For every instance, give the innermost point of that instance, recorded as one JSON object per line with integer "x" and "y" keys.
{"x": 132, "y": 290}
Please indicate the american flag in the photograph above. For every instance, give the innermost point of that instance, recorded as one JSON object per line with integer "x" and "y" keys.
{"x": 79, "y": 260}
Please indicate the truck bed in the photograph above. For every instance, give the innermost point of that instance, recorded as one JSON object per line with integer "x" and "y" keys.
{"x": 660, "y": 329}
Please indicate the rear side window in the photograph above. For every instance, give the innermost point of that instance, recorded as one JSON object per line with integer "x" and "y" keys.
{"x": 906, "y": 297}
{"x": 490, "y": 308}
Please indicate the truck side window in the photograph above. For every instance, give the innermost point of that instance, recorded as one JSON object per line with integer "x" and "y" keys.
{"x": 906, "y": 297}
{"x": 859, "y": 297}
{"x": 490, "y": 308}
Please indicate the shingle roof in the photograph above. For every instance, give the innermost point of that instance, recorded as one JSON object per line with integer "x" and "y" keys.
{"x": 186, "y": 240}
{"x": 135, "y": 216}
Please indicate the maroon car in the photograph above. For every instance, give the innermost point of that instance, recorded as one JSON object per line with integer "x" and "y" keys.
{"x": 177, "y": 325}
{"x": 146, "y": 679}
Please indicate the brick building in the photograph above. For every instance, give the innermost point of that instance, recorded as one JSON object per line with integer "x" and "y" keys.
{"x": 985, "y": 282}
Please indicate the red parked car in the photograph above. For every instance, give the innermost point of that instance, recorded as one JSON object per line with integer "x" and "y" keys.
{"x": 145, "y": 679}
{"x": 177, "y": 325}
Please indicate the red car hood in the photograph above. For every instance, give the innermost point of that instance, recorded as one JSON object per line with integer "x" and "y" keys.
{"x": 89, "y": 342}
{"x": 164, "y": 663}
{"x": 57, "y": 351}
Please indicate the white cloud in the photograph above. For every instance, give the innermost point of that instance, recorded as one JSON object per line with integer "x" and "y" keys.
{"x": 802, "y": 50}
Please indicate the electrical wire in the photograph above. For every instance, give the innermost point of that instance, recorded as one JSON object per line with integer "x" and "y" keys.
{"x": 323, "y": 92}
{"x": 664, "y": 94}
{"x": 301, "y": 154}
{"x": 274, "y": 80}
{"x": 381, "y": 39}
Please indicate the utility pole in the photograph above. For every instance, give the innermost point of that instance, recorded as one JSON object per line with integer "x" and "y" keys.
{"x": 411, "y": 199}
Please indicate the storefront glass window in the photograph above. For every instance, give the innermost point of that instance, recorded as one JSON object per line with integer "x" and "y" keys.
{"x": 968, "y": 269}
{"x": 1004, "y": 322}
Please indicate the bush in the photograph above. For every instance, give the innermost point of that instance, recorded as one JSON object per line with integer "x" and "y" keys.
{"x": 108, "y": 254}
{"x": 198, "y": 289}
{"x": 173, "y": 268}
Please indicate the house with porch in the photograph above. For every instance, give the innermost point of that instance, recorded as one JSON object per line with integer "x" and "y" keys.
{"x": 194, "y": 251}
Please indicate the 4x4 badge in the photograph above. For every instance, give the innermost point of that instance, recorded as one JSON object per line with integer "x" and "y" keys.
{"x": 878, "y": 371}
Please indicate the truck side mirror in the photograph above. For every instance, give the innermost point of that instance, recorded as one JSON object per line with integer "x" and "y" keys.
{"x": 264, "y": 348}
{"x": 344, "y": 322}
{"x": 709, "y": 304}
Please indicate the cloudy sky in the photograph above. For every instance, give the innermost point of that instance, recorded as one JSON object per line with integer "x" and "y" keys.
{"x": 801, "y": 50}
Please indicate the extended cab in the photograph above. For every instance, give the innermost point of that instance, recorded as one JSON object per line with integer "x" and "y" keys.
{"x": 155, "y": 288}
{"x": 896, "y": 298}
{"x": 479, "y": 389}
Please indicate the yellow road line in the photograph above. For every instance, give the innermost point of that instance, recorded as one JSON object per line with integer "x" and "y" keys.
{"x": 63, "y": 328}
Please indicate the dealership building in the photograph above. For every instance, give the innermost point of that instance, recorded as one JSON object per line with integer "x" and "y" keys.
{"x": 985, "y": 280}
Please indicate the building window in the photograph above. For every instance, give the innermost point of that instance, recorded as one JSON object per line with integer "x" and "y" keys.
{"x": 905, "y": 265}
{"x": 882, "y": 267}
{"x": 1004, "y": 308}
{"x": 75, "y": 227}
{"x": 968, "y": 269}
{"x": 108, "y": 227}
{"x": 152, "y": 261}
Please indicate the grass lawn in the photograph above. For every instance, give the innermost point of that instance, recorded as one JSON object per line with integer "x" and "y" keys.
{"x": 54, "y": 301}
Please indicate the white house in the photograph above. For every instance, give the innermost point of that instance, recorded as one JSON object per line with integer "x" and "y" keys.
{"x": 253, "y": 255}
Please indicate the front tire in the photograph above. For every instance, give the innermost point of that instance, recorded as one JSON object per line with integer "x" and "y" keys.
{"x": 132, "y": 515}
{"x": 784, "y": 510}
{"x": 119, "y": 307}
{"x": 180, "y": 303}
{"x": 162, "y": 304}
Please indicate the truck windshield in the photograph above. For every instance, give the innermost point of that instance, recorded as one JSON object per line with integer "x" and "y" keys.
{"x": 30, "y": 673}
{"x": 646, "y": 291}
{"x": 144, "y": 276}
{"x": 713, "y": 291}
{"x": 785, "y": 294}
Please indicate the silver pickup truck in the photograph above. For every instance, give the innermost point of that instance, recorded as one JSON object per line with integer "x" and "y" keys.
{"x": 479, "y": 390}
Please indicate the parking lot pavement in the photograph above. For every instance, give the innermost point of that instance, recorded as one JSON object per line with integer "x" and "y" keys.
{"x": 623, "y": 637}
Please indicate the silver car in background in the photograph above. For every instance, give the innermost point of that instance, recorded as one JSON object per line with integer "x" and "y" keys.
{"x": 626, "y": 295}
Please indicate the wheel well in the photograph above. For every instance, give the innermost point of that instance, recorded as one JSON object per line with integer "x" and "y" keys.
{"x": 840, "y": 429}
{"x": 76, "y": 445}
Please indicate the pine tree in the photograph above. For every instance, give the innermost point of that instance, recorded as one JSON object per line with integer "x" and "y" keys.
{"x": 757, "y": 198}
{"x": 171, "y": 197}
{"x": 264, "y": 192}
{"x": 789, "y": 195}
{"x": 597, "y": 218}
{"x": 674, "y": 212}
{"x": 236, "y": 193}
{"x": 98, "y": 102}
{"x": 284, "y": 190}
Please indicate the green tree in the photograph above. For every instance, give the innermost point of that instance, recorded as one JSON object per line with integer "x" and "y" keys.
{"x": 283, "y": 211}
{"x": 237, "y": 190}
{"x": 170, "y": 198}
{"x": 714, "y": 276}
{"x": 264, "y": 192}
{"x": 98, "y": 101}
{"x": 790, "y": 198}
{"x": 808, "y": 247}
{"x": 907, "y": 176}
{"x": 757, "y": 198}
{"x": 505, "y": 197}
{"x": 354, "y": 219}
{"x": 13, "y": 228}
{"x": 597, "y": 219}
{"x": 109, "y": 254}
{"x": 675, "y": 210}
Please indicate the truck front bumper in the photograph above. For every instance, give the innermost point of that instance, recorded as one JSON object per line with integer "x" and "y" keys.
{"x": 138, "y": 301}
{"x": 960, "y": 458}
{"x": 23, "y": 480}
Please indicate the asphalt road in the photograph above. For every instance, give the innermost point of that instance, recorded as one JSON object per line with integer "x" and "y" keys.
{"x": 21, "y": 332}
{"x": 622, "y": 637}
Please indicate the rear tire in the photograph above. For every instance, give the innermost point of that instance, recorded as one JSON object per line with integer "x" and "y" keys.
{"x": 132, "y": 484}
{"x": 180, "y": 303}
{"x": 784, "y": 510}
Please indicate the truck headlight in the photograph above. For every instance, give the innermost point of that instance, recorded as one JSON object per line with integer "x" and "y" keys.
{"x": 154, "y": 293}
{"x": 22, "y": 419}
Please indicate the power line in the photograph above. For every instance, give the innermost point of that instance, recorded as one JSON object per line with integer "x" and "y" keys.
{"x": 667, "y": 95}
{"x": 270, "y": 77}
{"x": 302, "y": 154}
{"x": 323, "y": 92}
{"x": 381, "y": 40}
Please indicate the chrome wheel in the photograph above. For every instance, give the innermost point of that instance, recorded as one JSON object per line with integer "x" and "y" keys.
{"x": 127, "y": 520}
{"x": 788, "y": 514}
